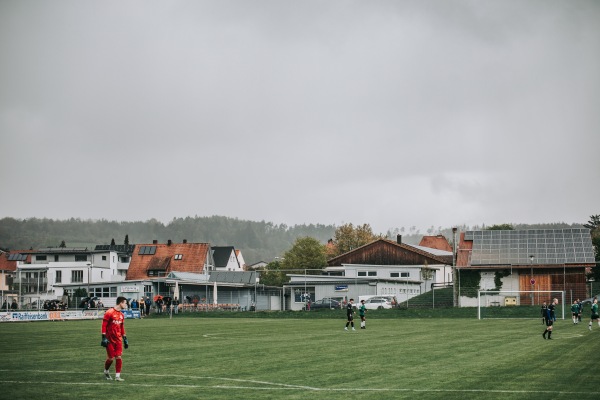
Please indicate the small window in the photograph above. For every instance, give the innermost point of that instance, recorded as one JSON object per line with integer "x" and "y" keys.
{"x": 76, "y": 276}
{"x": 372, "y": 273}
{"x": 40, "y": 258}
{"x": 56, "y": 258}
{"x": 58, "y": 276}
{"x": 404, "y": 275}
{"x": 362, "y": 273}
{"x": 81, "y": 257}
{"x": 103, "y": 258}
{"x": 178, "y": 256}
{"x": 394, "y": 274}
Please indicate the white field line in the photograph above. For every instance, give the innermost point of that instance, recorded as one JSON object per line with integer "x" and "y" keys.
{"x": 268, "y": 385}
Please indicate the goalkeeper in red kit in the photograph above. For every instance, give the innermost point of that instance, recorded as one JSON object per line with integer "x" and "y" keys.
{"x": 113, "y": 337}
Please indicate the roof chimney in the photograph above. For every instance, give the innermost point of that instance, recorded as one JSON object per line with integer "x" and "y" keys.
{"x": 399, "y": 239}
{"x": 155, "y": 241}
{"x": 184, "y": 241}
{"x": 169, "y": 242}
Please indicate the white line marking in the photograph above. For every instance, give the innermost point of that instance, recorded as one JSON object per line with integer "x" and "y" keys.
{"x": 270, "y": 385}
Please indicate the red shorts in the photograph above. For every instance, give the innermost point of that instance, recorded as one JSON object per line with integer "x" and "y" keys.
{"x": 114, "y": 349}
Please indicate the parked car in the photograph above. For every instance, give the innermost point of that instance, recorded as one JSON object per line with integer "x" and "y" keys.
{"x": 391, "y": 299}
{"x": 325, "y": 303}
{"x": 377, "y": 303}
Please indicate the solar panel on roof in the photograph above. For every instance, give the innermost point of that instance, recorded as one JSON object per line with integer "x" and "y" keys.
{"x": 547, "y": 246}
{"x": 147, "y": 250}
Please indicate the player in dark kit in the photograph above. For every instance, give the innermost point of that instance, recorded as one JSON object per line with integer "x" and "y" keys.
{"x": 550, "y": 317}
{"x": 350, "y": 314}
{"x": 361, "y": 313}
{"x": 544, "y": 311}
{"x": 113, "y": 337}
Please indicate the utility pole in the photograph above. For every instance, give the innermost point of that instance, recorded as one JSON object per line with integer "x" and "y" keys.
{"x": 454, "y": 275}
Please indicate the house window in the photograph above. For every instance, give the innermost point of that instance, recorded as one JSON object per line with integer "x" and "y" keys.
{"x": 404, "y": 275}
{"x": 56, "y": 258}
{"x": 394, "y": 274}
{"x": 76, "y": 276}
{"x": 80, "y": 257}
{"x": 58, "y": 276}
{"x": 362, "y": 273}
{"x": 178, "y": 256}
{"x": 40, "y": 258}
{"x": 103, "y": 258}
{"x": 372, "y": 273}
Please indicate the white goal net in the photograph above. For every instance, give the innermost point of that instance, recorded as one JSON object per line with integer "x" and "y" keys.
{"x": 518, "y": 303}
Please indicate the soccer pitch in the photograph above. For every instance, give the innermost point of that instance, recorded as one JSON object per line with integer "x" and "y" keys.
{"x": 262, "y": 358}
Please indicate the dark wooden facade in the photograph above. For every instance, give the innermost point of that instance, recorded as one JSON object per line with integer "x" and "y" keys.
{"x": 387, "y": 252}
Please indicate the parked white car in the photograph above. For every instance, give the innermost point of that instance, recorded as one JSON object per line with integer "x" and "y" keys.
{"x": 377, "y": 303}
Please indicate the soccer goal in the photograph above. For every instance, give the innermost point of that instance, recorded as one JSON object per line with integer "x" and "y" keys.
{"x": 518, "y": 303}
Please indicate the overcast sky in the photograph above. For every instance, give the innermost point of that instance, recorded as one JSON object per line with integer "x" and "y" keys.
{"x": 391, "y": 113}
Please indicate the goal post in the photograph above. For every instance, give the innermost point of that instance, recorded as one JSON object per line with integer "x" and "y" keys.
{"x": 518, "y": 303}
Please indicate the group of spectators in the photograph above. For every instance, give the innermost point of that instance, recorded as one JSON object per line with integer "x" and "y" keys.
{"x": 161, "y": 305}
{"x": 92, "y": 303}
{"x": 12, "y": 306}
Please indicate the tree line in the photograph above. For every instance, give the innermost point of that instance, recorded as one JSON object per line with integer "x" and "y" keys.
{"x": 258, "y": 240}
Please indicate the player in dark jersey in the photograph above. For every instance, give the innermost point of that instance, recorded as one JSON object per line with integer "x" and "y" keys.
{"x": 575, "y": 312}
{"x": 544, "y": 310}
{"x": 361, "y": 313}
{"x": 595, "y": 316}
{"x": 113, "y": 337}
{"x": 550, "y": 317}
{"x": 350, "y": 313}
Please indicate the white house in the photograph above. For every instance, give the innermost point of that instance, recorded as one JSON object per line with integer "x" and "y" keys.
{"x": 53, "y": 272}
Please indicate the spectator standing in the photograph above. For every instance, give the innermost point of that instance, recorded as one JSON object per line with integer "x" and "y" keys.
{"x": 176, "y": 305}
{"x": 148, "y": 303}
{"x": 159, "y": 305}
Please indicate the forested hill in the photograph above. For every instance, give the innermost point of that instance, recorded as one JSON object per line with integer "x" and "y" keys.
{"x": 258, "y": 241}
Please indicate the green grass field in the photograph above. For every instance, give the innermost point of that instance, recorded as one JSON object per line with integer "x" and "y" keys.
{"x": 191, "y": 357}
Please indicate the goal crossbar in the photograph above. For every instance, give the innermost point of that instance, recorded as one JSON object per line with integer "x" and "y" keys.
{"x": 503, "y": 294}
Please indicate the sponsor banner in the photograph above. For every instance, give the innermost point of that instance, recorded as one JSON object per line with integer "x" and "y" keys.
{"x": 341, "y": 288}
{"x": 20, "y": 316}
{"x": 132, "y": 313}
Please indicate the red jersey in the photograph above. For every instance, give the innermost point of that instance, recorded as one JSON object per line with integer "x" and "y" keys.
{"x": 113, "y": 325}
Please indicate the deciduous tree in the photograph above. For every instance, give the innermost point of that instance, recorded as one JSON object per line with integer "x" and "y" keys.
{"x": 306, "y": 253}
